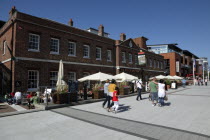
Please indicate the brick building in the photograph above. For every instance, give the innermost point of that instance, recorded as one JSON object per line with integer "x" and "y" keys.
{"x": 177, "y": 61}
{"x": 31, "y": 48}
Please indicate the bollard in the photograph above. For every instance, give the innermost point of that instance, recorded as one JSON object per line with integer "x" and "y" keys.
{"x": 85, "y": 92}
{"x": 47, "y": 99}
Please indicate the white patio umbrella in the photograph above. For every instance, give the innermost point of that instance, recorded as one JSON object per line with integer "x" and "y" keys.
{"x": 97, "y": 77}
{"x": 125, "y": 77}
{"x": 177, "y": 77}
{"x": 160, "y": 77}
{"x": 169, "y": 77}
{"x": 61, "y": 84}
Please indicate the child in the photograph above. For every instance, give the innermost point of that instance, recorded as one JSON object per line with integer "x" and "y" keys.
{"x": 115, "y": 100}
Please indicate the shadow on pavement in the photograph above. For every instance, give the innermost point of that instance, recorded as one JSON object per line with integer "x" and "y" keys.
{"x": 123, "y": 108}
{"x": 167, "y": 104}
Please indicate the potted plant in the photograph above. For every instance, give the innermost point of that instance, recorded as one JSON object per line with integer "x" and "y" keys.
{"x": 61, "y": 95}
{"x": 124, "y": 88}
{"x": 98, "y": 91}
{"x": 168, "y": 83}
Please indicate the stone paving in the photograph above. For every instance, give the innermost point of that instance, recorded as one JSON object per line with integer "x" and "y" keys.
{"x": 187, "y": 110}
{"x": 186, "y": 116}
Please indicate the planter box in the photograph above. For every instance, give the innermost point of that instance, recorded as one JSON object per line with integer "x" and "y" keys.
{"x": 99, "y": 94}
{"x": 124, "y": 91}
{"x": 63, "y": 98}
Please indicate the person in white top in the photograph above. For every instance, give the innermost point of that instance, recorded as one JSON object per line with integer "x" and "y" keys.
{"x": 161, "y": 92}
{"x": 139, "y": 88}
{"x": 106, "y": 94}
{"x": 17, "y": 97}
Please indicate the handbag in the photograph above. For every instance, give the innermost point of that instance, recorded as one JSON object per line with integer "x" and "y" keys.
{"x": 166, "y": 98}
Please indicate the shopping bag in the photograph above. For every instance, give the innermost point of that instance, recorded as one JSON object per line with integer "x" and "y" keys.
{"x": 166, "y": 98}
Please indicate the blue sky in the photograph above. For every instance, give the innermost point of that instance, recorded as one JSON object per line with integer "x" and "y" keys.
{"x": 186, "y": 22}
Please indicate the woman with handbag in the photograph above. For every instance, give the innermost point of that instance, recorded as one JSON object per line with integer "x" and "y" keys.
{"x": 161, "y": 92}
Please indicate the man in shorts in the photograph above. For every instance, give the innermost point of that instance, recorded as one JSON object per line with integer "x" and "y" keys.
{"x": 154, "y": 91}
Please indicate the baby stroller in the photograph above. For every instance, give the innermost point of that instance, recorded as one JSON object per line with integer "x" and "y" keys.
{"x": 9, "y": 100}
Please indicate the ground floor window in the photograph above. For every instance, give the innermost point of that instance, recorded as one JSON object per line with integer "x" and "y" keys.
{"x": 53, "y": 78}
{"x": 33, "y": 79}
{"x": 72, "y": 76}
{"x": 86, "y": 82}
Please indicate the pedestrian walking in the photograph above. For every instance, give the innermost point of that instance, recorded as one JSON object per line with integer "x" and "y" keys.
{"x": 111, "y": 89}
{"x": 139, "y": 89}
{"x": 115, "y": 100}
{"x": 106, "y": 94}
{"x": 206, "y": 81}
{"x": 183, "y": 82}
{"x": 161, "y": 92}
{"x": 154, "y": 91}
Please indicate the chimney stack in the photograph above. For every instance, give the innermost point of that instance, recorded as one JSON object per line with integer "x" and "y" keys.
{"x": 71, "y": 23}
{"x": 12, "y": 11}
{"x": 101, "y": 30}
{"x": 122, "y": 37}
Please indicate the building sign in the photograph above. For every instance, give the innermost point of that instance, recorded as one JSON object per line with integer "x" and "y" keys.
{"x": 177, "y": 66}
{"x": 142, "y": 59}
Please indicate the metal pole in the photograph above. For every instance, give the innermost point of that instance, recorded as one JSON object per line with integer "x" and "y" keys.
{"x": 208, "y": 73}
{"x": 194, "y": 71}
{"x": 203, "y": 72}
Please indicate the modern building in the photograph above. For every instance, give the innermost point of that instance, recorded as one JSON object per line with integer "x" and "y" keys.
{"x": 31, "y": 48}
{"x": 177, "y": 61}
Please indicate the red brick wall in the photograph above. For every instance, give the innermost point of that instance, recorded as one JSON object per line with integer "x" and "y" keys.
{"x": 173, "y": 57}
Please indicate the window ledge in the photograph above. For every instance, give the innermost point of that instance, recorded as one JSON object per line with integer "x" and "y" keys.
{"x": 98, "y": 59}
{"x": 31, "y": 50}
{"x": 86, "y": 57}
{"x": 54, "y": 53}
{"x": 72, "y": 55}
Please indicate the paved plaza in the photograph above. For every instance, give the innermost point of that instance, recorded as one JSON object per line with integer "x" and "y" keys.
{"x": 185, "y": 116}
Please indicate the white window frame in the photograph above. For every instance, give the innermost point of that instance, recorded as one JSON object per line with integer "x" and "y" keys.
{"x": 99, "y": 49}
{"x": 150, "y": 62}
{"x": 86, "y": 46}
{"x": 53, "y": 78}
{"x": 88, "y": 82}
{"x": 123, "y": 57}
{"x": 73, "y": 50}
{"x": 130, "y": 58}
{"x": 136, "y": 59}
{"x": 4, "y": 47}
{"x": 109, "y": 58}
{"x": 74, "y": 76}
{"x": 58, "y": 47}
{"x": 37, "y": 84}
{"x": 34, "y": 50}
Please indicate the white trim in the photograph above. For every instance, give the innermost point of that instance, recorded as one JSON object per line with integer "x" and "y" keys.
{"x": 57, "y": 61}
{"x": 35, "y": 50}
{"x": 52, "y": 52}
{"x": 74, "y": 75}
{"x": 88, "y": 51}
{"x": 6, "y": 60}
{"x": 124, "y": 61}
{"x": 130, "y": 55}
{"x": 33, "y": 89}
{"x": 75, "y": 49}
{"x": 100, "y": 53}
{"x": 4, "y": 47}
{"x": 109, "y": 51}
